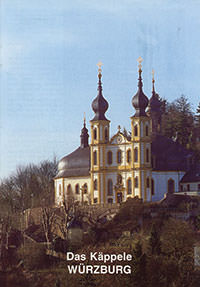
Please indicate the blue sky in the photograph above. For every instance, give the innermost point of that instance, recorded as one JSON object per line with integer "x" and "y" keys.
{"x": 48, "y": 73}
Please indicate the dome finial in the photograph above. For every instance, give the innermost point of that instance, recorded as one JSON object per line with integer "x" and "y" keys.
{"x": 99, "y": 75}
{"x": 99, "y": 66}
{"x": 140, "y": 72}
{"x": 84, "y": 120}
{"x": 140, "y": 63}
{"x": 153, "y": 81}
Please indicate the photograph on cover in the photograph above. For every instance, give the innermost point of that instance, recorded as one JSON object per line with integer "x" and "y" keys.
{"x": 100, "y": 143}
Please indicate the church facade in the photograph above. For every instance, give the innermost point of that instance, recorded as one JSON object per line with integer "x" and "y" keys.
{"x": 143, "y": 163}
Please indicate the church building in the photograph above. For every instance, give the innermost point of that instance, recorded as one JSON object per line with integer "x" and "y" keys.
{"x": 111, "y": 169}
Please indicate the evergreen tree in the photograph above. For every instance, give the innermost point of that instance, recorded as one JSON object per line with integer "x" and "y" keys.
{"x": 87, "y": 280}
{"x": 198, "y": 116}
{"x": 138, "y": 268}
{"x": 154, "y": 242}
{"x": 178, "y": 121}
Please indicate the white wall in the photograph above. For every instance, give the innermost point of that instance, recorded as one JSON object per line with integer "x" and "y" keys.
{"x": 58, "y": 196}
{"x": 114, "y": 149}
{"x": 193, "y": 186}
{"x": 72, "y": 181}
{"x": 161, "y": 182}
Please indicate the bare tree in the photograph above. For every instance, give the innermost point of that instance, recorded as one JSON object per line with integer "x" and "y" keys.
{"x": 67, "y": 215}
{"x": 48, "y": 223}
{"x": 28, "y": 185}
{"x": 5, "y": 228}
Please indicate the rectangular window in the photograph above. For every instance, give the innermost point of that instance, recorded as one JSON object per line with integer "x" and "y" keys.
{"x": 129, "y": 156}
{"x": 109, "y": 157}
{"x": 119, "y": 156}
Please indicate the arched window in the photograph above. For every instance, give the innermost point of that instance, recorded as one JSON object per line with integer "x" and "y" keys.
{"x": 119, "y": 179}
{"x": 109, "y": 157}
{"x": 106, "y": 134}
{"x": 129, "y": 156}
{"x": 148, "y": 182}
{"x": 110, "y": 187}
{"x": 147, "y": 155}
{"x": 110, "y": 200}
{"x": 85, "y": 188}
{"x": 136, "y": 131}
{"x": 77, "y": 189}
{"x": 147, "y": 130}
{"x": 136, "y": 154}
{"x": 152, "y": 187}
{"x": 95, "y": 184}
{"x": 60, "y": 189}
{"x": 69, "y": 189}
{"x": 136, "y": 182}
{"x": 95, "y": 133}
{"x": 119, "y": 156}
{"x": 95, "y": 157}
{"x": 129, "y": 186}
{"x": 170, "y": 185}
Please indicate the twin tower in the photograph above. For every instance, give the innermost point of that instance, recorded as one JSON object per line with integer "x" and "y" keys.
{"x": 120, "y": 167}
{"x": 112, "y": 169}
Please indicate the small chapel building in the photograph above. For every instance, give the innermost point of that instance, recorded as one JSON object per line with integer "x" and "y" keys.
{"x": 112, "y": 169}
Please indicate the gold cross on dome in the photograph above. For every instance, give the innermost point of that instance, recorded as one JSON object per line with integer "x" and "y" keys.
{"x": 84, "y": 118}
{"x": 99, "y": 66}
{"x": 153, "y": 72}
{"x": 140, "y": 62}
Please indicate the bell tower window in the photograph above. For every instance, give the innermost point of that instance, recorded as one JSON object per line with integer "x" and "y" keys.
{"x": 136, "y": 154}
{"x": 136, "y": 131}
{"x": 95, "y": 157}
{"x": 147, "y": 131}
{"x": 106, "y": 134}
{"x": 95, "y": 133}
{"x": 147, "y": 155}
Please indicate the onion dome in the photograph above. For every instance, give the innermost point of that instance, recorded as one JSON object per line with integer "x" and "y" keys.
{"x": 140, "y": 101}
{"x": 154, "y": 102}
{"x": 84, "y": 136}
{"x": 99, "y": 105}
